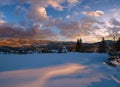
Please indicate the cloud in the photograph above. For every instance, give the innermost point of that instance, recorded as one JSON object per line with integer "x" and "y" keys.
{"x": 97, "y": 13}
{"x": 2, "y": 22}
{"x": 72, "y": 30}
{"x": 37, "y": 14}
{"x": 37, "y": 11}
{"x": 2, "y": 16}
{"x": 19, "y": 9}
{"x": 53, "y": 22}
{"x": 44, "y": 34}
{"x": 115, "y": 12}
{"x": 7, "y": 2}
{"x": 12, "y": 31}
{"x": 73, "y": 1}
{"x": 100, "y": 32}
{"x": 115, "y": 27}
{"x": 76, "y": 29}
{"x": 68, "y": 30}
{"x": 56, "y": 4}
{"x": 114, "y": 22}
{"x": 72, "y": 26}
{"x": 45, "y": 3}
{"x": 68, "y": 16}
{"x": 18, "y": 31}
{"x": 87, "y": 7}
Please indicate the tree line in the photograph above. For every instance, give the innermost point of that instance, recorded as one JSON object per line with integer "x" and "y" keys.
{"x": 102, "y": 47}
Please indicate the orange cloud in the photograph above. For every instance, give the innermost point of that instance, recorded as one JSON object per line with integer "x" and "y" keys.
{"x": 2, "y": 21}
{"x": 97, "y": 13}
{"x": 73, "y": 1}
{"x": 38, "y": 14}
{"x": 83, "y": 28}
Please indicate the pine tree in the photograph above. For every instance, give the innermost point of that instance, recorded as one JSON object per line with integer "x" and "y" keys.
{"x": 102, "y": 46}
{"x": 79, "y": 45}
{"x": 117, "y": 45}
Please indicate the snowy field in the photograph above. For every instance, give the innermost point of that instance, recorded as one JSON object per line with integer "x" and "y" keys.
{"x": 57, "y": 70}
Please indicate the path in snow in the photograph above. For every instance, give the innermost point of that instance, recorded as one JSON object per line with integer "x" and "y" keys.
{"x": 56, "y": 70}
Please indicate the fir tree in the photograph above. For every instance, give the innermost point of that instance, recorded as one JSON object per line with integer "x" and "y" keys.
{"x": 79, "y": 45}
{"x": 102, "y": 46}
{"x": 117, "y": 45}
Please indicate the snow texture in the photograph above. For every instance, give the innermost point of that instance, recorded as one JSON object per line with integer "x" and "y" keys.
{"x": 58, "y": 70}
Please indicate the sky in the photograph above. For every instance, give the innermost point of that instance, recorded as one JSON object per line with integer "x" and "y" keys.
{"x": 63, "y": 20}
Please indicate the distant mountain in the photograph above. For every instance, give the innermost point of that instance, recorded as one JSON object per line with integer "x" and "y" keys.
{"x": 35, "y": 42}
{"x": 22, "y": 42}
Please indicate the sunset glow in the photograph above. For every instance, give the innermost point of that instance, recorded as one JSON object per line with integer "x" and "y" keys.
{"x": 62, "y": 20}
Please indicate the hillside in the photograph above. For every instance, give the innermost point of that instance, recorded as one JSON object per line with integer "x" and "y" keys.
{"x": 22, "y": 42}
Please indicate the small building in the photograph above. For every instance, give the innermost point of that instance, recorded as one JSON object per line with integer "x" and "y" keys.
{"x": 63, "y": 49}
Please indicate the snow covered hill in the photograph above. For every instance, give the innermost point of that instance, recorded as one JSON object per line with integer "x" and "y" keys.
{"x": 58, "y": 70}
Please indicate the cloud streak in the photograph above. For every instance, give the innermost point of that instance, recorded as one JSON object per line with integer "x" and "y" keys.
{"x": 13, "y": 31}
{"x": 97, "y": 13}
{"x": 82, "y": 28}
{"x": 17, "y": 31}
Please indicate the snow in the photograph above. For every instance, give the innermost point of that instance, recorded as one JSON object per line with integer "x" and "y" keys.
{"x": 115, "y": 62}
{"x": 58, "y": 70}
